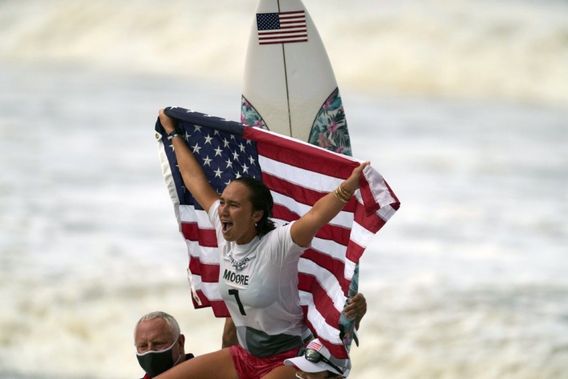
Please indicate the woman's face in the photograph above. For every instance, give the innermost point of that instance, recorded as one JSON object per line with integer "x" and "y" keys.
{"x": 236, "y": 214}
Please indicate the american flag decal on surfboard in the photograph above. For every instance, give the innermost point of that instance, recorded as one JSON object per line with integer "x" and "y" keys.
{"x": 282, "y": 27}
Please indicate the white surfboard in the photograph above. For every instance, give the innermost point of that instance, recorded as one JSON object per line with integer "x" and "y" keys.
{"x": 290, "y": 88}
{"x": 289, "y": 84}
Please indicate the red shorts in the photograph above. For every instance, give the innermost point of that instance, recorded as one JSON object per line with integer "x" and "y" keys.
{"x": 250, "y": 367}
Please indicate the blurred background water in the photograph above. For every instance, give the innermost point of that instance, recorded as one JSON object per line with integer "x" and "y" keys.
{"x": 460, "y": 104}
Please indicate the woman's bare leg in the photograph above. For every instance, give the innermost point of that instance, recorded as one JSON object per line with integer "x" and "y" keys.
{"x": 216, "y": 365}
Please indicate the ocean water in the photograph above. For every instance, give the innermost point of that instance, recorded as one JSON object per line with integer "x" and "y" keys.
{"x": 461, "y": 105}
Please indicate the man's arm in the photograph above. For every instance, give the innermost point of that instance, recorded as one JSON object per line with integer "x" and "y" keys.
{"x": 229, "y": 333}
{"x": 356, "y": 308}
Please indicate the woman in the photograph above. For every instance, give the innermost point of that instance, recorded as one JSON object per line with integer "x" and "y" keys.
{"x": 258, "y": 269}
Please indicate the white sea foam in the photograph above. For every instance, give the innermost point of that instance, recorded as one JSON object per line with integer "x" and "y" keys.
{"x": 467, "y": 280}
{"x": 468, "y": 277}
{"x": 514, "y": 49}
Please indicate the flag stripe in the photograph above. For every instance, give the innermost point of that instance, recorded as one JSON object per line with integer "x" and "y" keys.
{"x": 332, "y": 248}
{"x": 292, "y": 30}
{"x": 288, "y": 151}
{"x": 296, "y": 174}
{"x": 292, "y": 20}
{"x": 336, "y": 267}
{"x": 291, "y": 13}
{"x": 206, "y": 255}
{"x": 298, "y": 193}
{"x": 354, "y": 251}
{"x": 327, "y": 282}
{"x": 292, "y": 35}
{"x": 282, "y": 186}
{"x": 192, "y": 232}
{"x": 329, "y": 232}
{"x": 322, "y": 301}
{"x": 189, "y": 213}
{"x": 274, "y": 42}
{"x": 208, "y": 273}
{"x": 299, "y": 208}
{"x": 335, "y": 233}
{"x": 218, "y": 306}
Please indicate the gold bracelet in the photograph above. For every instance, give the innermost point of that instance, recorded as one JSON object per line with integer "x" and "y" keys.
{"x": 340, "y": 196}
{"x": 344, "y": 192}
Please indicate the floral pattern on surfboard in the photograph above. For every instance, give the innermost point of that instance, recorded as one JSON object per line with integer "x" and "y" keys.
{"x": 249, "y": 115}
{"x": 329, "y": 129}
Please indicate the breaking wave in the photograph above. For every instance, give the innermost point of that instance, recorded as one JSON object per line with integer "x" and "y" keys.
{"x": 512, "y": 49}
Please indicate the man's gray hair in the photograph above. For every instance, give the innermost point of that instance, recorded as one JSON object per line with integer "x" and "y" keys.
{"x": 169, "y": 319}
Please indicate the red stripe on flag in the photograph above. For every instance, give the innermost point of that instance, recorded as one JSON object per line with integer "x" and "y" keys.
{"x": 370, "y": 221}
{"x": 209, "y": 272}
{"x": 337, "y": 351}
{"x": 282, "y": 213}
{"x": 294, "y": 153}
{"x": 293, "y": 190}
{"x": 334, "y": 266}
{"x": 336, "y": 233}
{"x": 218, "y": 306}
{"x": 371, "y": 205}
{"x": 202, "y": 298}
{"x": 292, "y": 31}
{"x": 205, "y": 237}
{"x": 322, "y": 301}
{"x": 291, "y": 13}
{"x": 299, "y": 193}
{"x": 282, "y": 37}
{"x": 282, "y": 41}
{"x": 354, "y": 252}
{"x": 309, "y": 197}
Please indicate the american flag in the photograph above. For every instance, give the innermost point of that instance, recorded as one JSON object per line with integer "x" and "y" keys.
{"x": 298, "y": 174}
{"x": 283, "y": 27}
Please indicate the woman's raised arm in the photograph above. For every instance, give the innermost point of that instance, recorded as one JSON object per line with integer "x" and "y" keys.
{"x": 193, "y": 177}
{"x": 325, "y": 209}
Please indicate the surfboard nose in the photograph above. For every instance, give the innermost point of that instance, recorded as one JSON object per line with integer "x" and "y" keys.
{"x": 289, "y": 84}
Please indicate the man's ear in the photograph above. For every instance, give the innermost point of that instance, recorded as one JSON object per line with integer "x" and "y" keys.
{"x": 181, "y": 342}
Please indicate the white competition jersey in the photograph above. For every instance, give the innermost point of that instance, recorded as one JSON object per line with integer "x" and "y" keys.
{"x": 259, "y": 284}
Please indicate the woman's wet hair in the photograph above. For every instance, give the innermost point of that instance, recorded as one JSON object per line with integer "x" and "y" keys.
{"x": 261, "y": 200}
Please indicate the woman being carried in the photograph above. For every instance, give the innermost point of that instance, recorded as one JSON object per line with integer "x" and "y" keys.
{"x": 258, "y": 270}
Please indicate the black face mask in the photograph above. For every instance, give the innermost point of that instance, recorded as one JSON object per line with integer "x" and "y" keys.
{"x": 156, "y": 362}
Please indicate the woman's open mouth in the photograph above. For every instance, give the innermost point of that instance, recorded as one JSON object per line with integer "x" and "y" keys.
{"x": 227, "y": 225}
